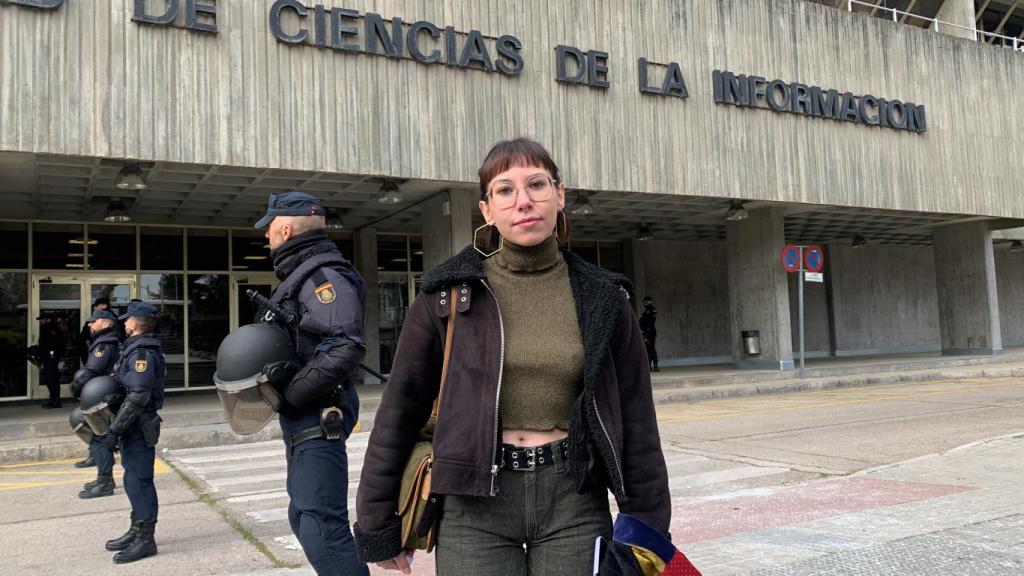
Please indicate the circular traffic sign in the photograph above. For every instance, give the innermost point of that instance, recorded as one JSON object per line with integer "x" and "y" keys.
{"x": 790, "y": 258}
{"x": 814, "y": 258}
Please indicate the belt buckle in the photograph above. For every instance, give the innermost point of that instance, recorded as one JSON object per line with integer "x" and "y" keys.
{"x": 531, "y": 460}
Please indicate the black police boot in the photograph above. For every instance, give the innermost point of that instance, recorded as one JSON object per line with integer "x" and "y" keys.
{"x": 124, "y": 540}
{"x": 87, "y": 463}
{"x": 104, "y": 486}
{"x": 143, "y": 546}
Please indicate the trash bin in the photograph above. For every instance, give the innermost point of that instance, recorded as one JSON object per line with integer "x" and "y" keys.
{"x": 751, "y": 341}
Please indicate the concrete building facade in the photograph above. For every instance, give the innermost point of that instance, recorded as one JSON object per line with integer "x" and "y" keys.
{"x": 801, "y": 122}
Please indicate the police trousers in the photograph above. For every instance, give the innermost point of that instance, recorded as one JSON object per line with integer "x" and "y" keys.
{"x": 104, "y": 457}
{"x": 137, "y": 460}
{"x": 318, "y": 511}
{"x": 537, "y": 525}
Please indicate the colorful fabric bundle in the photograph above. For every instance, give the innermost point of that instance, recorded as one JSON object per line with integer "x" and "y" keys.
{"x": 637, "y": 549}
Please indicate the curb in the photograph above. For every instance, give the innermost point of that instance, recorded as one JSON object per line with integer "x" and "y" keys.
{"x": 683, "y": 390}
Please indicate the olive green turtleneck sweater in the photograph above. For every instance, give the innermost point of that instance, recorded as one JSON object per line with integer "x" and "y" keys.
{"x": 543, "y": 346}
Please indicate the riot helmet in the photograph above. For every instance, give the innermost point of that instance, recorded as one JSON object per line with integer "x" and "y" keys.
{"x": 248, "y": 399}
{"x": 101, "y": 399}
{"x": 78, "y": 425}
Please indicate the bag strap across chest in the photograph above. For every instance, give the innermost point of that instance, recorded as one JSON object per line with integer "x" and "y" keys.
{"x": 447, "y": 357}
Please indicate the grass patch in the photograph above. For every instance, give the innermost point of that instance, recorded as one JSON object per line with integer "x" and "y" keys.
{"x": 245, "y": 533}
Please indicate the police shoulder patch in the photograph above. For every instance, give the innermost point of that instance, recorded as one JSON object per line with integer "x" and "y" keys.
{"x": 140, "y": 366}
{"x": 325, "y": 293}
{"x": 99, "y": 352}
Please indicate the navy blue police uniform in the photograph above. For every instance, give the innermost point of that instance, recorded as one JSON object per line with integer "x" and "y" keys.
{"x": 324, "y": 294}
{"x": 140, "y": 370}
{"x": 52, "y": 347}
{"x": 104, "y": 349}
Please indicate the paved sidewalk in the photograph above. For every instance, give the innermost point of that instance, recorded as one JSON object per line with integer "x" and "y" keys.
{"x": 959, "y": 512}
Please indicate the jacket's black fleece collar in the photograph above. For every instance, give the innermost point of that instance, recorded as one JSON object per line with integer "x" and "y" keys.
{"x": 598, "y": 293}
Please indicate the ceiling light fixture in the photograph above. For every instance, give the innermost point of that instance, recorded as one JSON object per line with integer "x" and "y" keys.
{"x": 582, "y": 206}
{"x": 390, "y": 193}
{"x": 736, "y": 212}
{"x": 333, "y": 221}
{"x": 116, "y": 212}
{"x": 644, "y": 232}
{"x": 130, "y": 177}
{"x": 859, "y": 241}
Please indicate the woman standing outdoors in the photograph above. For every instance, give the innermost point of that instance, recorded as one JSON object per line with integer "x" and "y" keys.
{"x": 547, "y": 405}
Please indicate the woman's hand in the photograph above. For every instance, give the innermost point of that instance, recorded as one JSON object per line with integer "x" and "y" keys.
{"x": 402, "y": 562}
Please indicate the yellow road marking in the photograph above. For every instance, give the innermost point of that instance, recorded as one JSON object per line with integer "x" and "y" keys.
{"x": 159, "y": 467}
{"x": 46, "y": 463}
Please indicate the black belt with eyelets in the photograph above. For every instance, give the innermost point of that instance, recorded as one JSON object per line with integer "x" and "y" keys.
{"x": 526, "y": 459}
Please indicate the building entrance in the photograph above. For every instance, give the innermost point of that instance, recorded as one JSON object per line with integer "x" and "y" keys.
{"x": 67, "y": 300}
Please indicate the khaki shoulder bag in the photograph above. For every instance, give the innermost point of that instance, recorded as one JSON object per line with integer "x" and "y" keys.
{"x": 415, "y": 493}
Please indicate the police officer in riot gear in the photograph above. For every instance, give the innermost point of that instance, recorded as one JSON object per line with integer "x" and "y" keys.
{"x": 324, "y": 294}
{"x": 140, "y": 370}
{"x": 104, "y": 348}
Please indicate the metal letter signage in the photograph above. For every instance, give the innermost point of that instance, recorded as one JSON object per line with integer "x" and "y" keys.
{"x": 756, "y": 92}
{"x": 41, "y": 4}
{"x": 293, "y": 22}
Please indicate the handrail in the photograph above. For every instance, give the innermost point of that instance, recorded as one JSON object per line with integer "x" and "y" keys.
{"x": 1016, "y": 43}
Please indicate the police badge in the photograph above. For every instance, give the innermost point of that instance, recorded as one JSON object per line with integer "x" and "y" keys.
{"x": 325, "y": 293}
{"x": 140, "y": 366}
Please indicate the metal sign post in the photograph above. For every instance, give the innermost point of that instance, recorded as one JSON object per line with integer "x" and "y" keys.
{"x": 801, "y": 300}
{"x": 802, "y": 260}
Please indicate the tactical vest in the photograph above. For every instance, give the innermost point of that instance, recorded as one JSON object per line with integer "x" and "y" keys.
{"x": 286, "y": 295}
{"x": 152, "y": 343}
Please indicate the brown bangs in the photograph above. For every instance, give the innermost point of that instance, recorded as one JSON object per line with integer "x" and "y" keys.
{"x": 521, "y": 152}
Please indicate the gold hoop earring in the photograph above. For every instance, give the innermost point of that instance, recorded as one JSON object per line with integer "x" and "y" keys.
{"x": 476, "y": 235}
{"x": 558, "y": 237}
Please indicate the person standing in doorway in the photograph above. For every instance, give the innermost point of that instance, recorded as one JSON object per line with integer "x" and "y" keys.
{"x": 325, "y": 294}
{"x": 648, "y": 327}
{"x": 51, "y": 350}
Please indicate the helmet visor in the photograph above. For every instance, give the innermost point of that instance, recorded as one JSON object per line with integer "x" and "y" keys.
{"x": 99, "y": 419}
{"x": 248, "y": 404}
{"x": 84, "y": 433}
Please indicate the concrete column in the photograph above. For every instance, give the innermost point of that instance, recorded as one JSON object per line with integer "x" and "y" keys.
{"x": 759, "y": 289}
{"x": 366, "y": 264}
{"x": 447, "y": 230}
{"x": 634, "y": 268}
{"x": 961, "y": 13}
{"x": 965, "y": 277}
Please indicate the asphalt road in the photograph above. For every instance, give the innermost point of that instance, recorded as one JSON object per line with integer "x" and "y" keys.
{"x": 715, "y": 449}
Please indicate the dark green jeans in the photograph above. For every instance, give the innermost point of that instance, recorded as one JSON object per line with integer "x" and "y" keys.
{"x": 537, "y": 525}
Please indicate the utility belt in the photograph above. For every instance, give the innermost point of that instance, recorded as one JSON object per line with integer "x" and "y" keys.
{"x": 528, "y": 459}
{"x": 332, "y": 427}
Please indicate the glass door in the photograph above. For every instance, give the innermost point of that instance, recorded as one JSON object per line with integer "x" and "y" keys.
{"x": 394, "y": 303}
{"x": 242, "y": 307}
{"x": 63, "y": 303}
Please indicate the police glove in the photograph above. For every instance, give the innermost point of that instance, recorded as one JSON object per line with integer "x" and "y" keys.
{"x": 281, "y": 373}
{"x": 111, "y": 440}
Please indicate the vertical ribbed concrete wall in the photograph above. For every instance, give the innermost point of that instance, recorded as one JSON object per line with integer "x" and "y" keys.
{"x": 87, "y": 80}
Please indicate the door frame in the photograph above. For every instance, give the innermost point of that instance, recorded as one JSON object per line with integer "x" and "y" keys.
{"x": 85, "y": 280}
{"x": 237, "y": 278}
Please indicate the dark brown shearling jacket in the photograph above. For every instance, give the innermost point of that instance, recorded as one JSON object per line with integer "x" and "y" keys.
{"x": 613, "y": 431}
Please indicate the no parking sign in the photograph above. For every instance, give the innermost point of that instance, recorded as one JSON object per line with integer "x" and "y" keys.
{"x": 790, "y": 258}
{"x": 814, "y": 258}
